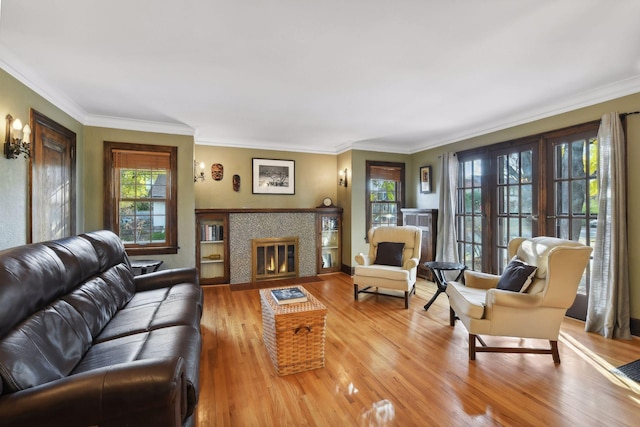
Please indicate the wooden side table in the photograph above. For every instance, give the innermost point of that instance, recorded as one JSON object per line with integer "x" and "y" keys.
{"x": 437, "y": 268}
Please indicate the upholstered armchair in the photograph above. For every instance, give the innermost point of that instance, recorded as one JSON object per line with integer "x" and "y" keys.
{"x": 392, "y": 262}
{"x": 529, "y": 300}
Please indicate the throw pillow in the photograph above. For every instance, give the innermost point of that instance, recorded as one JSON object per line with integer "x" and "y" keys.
{"x": 389, "y": 253}
{"x": 517, "y": 276}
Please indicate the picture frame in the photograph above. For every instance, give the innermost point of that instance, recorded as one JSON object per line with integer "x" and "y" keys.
{"x": 273, "y": 176}
{"x": 425, "y": 179}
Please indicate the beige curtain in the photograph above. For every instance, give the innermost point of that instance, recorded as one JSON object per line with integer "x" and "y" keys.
{"x": 446, "y": 245}
{"x": 608, "y": 311}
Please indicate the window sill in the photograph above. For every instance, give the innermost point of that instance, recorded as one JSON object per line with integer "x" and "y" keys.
{"x": 151, "y": 250}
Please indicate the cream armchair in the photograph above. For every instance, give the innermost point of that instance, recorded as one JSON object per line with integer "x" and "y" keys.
{"x": 392, "y": 262}
{"x": 535, "y": 313}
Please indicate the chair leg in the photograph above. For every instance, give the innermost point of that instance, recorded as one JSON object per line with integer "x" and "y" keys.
{"x": 452, "y": 317}
{"x": 554, "y": 352}
{"x": 355, "y": 292}
{"x": 406, "y": 299}
{"x": 472, "y": 347}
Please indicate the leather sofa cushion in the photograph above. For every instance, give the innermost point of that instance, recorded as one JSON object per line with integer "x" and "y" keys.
{"x": 155, "y": 309}
{"x": 175, "y": 341}
{"x": 44, "y": 348}
{"x": 98, "y": 299}
{"x": 31, "y": 277}
{"x": 108, "y": 247}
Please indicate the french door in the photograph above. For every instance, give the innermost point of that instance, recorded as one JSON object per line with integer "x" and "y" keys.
{"x": 573, "y": 197}
{"x": 497, "y": 200}
{"x": 516, "y": 198}
{"x": 542, "y": 185}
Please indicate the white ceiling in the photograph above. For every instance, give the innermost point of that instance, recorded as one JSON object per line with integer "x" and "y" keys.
{"x": 326, "y": 75}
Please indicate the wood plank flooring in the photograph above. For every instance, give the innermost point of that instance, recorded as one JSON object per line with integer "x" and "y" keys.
{"x": 387, "y": 366}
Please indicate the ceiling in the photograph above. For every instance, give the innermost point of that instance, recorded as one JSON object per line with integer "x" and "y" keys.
{"x": 322, "y": 76}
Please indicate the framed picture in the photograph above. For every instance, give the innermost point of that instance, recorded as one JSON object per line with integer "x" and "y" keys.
{"x": 272, "y": 176}
{"x": 425, "y": 179}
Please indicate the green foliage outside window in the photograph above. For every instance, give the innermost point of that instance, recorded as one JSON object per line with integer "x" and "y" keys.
{"x": 142, "y": 206}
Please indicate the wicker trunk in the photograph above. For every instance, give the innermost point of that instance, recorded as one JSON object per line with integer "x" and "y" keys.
{"x": 294, "y": 334}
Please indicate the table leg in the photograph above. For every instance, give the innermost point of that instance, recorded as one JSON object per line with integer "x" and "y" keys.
{"x": 441, "y": 285}
{"x": 433, "y": 298}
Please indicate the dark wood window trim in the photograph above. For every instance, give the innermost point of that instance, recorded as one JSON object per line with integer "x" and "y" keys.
{"x": 400, "y": 193}
{"x": 170, "y": 246}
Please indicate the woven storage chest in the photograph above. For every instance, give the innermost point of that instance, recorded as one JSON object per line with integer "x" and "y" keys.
{"x": 294, "y": 334}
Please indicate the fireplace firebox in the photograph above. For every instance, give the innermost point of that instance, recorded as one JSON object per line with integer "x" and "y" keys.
{"x": 274, "y": 258}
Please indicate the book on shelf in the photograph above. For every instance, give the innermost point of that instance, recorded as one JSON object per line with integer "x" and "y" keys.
{"x": 209, "y": 232}
{"x": 288, "y": 295}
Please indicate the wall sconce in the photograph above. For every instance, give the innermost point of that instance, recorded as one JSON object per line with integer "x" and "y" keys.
{"x": 198, "y": 176}
{"x": 343, "y": 178}
{"x": 17, "y": 139}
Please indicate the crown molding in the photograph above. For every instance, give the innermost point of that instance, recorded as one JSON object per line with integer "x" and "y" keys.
{"x": 266, "y": 145}
{"x": 584, "y": 99}
{"x": 31, "y": 80}
{"x": 138, "y": 125}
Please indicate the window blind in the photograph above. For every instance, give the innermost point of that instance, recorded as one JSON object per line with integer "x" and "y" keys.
{"x": 129, "y": 159}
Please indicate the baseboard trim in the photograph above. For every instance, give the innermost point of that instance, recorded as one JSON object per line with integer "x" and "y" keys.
{"x": 634, "y": 325}
{"x": 346, "y": 269}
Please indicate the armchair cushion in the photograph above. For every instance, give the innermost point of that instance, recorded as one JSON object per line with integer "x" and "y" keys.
{"x": 389, "y": 253}
{"x": 517, "y": 276}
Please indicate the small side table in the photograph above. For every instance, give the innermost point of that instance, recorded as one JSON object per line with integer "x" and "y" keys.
{"x": 146, "y": 265}
{"x": 437, "y": 268}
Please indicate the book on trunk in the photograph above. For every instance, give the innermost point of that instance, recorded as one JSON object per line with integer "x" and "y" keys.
{"x": 288, "y": 295}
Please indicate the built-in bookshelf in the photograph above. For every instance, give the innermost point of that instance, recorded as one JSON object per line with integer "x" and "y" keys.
{"x": 329, "y": 228}
{"x": 213, "y": 248}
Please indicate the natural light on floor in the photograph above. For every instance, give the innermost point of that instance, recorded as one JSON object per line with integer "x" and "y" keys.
{"x": 602, "y": 366}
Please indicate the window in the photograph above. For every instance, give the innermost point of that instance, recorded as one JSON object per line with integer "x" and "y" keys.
{"x": 385, "y": 193}
{"x": 539, "y": 185}
{"x": 140, "y": 196}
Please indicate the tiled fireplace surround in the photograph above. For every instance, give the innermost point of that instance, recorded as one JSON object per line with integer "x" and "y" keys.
{"x": 244, "y": 227}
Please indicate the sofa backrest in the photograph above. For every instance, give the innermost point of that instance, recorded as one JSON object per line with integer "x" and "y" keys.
{"x": 54, "y": 298}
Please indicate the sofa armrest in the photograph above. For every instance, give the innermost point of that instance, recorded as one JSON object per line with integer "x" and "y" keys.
{"x": 478, "y": 280}
{"x": 150, "y": 392}
{"x": 164, "y": 278}
{"x": 363, "y": 259}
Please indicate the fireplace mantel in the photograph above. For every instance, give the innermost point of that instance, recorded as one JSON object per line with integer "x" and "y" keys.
{"x": 246, "y": 224}
{"x": 265, "y": 210}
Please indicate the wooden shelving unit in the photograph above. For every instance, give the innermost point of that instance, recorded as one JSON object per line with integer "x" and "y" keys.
{"x": 212, "y": 249}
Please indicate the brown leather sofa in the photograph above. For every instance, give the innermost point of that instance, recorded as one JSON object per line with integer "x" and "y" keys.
{"x": 85, "y": 343}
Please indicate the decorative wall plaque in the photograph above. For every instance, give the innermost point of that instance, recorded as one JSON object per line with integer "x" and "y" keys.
{"x": 217, "y": 171}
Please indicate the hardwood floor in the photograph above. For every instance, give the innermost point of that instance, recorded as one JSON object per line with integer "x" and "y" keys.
{"x": 387, "y": 366}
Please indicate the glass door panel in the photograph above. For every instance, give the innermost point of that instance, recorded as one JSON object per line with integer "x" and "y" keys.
{"x": 574, "y": 201}
{"x": 470, "y": 215}
{"x": 515, "y": 200}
